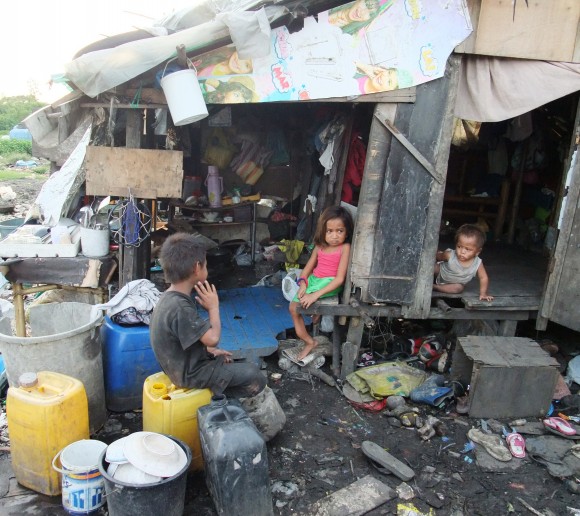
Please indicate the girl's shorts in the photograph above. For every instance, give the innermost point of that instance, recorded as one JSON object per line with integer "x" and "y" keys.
{"x": 315, "y": 284}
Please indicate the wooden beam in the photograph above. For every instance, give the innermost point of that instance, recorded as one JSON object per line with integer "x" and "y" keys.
{"x": 412, "y": 149}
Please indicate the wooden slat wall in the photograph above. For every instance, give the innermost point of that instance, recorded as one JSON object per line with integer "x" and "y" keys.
{"x": 402, "y": 236}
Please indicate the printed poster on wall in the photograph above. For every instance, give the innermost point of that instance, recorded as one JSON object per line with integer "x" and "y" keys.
{"x": 362, "y": 47}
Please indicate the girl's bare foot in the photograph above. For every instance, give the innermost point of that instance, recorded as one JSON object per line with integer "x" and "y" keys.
{"x": 308, "y": 347}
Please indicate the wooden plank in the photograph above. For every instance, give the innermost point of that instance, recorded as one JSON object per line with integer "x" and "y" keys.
{"x": 60, "y": 271}
{"x": 140, "y": 169}
{"x": 500, "y": 34}
{"x": 154, "y": 96}
{"x": 407, "y": 95}
{"x": 555, "y": 288}
{"x": 413, "y": 150}
{"x": 364, "y": 241}
{"x": 505, "y": 303}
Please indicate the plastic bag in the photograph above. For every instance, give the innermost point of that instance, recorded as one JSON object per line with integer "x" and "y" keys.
{"x": 289, "y": 286}
{"x": 250, "y": 172}
{"x": 250, "y": 32}
{"x": 386, "y": 379}
{"x": 219, "y": 151}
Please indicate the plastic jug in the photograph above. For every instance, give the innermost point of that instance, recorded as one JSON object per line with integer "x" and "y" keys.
{"x": 46, "y": 413}
{"x": 173, "y": 411}
{"x": 236, "y": 459}
{"x": 215, "y": 187}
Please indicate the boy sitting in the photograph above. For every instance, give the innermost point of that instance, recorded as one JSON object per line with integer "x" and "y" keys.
{"x": 185, "y": 345}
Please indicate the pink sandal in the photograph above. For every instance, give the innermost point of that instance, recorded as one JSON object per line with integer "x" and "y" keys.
{"x": 517, "y": 445}
{"x": 559, "y": 425}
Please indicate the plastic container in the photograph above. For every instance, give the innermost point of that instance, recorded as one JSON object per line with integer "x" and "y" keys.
{"x": 10, "y": 225}
{"x": 215, "y": 187}
{"x": 128, "y": 360}
{"x": 95, "y": 242}
{"x": 173, "y": 411}
{"x": 184, "y": 97}
{"x": 165, "y": 498}
{"x": 83, "y": 487}
{"x": 43, "y": 418}
{"x": 65, "y": 339}
{"x": 191, "y": 186}
{"x": 236, "y": 459}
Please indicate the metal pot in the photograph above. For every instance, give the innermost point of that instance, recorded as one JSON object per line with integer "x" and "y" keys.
{"x": 218, "y": 257}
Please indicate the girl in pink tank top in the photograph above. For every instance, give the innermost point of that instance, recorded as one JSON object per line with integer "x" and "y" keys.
{"x": 325, "y": 272}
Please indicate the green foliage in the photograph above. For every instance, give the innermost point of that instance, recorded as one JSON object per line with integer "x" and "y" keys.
{"x": 15, "y": 109}
{"x": 15, "y": 147}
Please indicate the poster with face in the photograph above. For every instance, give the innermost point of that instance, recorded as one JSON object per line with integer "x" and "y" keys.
{"x": 361, "y": 47}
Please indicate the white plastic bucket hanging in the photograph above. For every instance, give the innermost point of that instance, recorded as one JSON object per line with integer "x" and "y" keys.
{"x": 83, "y": 487}
{"x": 183, "y": 95}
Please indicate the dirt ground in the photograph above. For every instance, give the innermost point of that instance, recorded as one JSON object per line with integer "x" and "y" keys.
{"x": 319, "y": 451}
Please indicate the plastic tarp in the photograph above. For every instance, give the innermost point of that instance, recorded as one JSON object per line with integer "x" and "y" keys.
{"x": 102, "y": 70}
{"x": 59, "y": 192}
{"x": 492, "y": 89}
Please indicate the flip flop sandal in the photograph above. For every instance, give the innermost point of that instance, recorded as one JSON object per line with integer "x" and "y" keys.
{"x": 384, "y": 459}
{"x": 560, "y": 425}
{"x": 491, "y": 443}
{"x": 516, "y": 445}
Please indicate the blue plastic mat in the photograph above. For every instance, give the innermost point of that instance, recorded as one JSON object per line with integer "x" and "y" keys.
{"x": 251, "y": 318}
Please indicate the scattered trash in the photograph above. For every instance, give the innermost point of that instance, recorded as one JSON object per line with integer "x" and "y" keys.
{"x": 405, "y": 491}
{"x": 411, "y": 510}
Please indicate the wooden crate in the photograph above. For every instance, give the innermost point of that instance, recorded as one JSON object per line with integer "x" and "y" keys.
{"x": 509, "y": 377}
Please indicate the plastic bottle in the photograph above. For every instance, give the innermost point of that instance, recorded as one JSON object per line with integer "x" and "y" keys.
{"x": 236, "y": 197}
{"x": 236, "y": 459}
{"x": 47, "y": 412}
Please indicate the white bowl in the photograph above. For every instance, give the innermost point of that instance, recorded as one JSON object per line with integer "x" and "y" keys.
{"x": 210, "y": 216}
{"x": 228, "y": 219}
{"x": 130, "y": 474}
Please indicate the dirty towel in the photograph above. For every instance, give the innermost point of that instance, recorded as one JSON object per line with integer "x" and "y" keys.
{"x": 386, "y": 379}
{"x": 133, "y": 304}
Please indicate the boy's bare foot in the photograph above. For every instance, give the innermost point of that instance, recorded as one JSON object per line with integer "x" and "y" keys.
{"x": 308, "y": 347}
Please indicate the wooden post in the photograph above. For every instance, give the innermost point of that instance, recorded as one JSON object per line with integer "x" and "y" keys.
{"x": 517, "y": 196}
{"x": 18, "y": 298}
{"x": 351, "y": 347}
{"x": 134, "y": 261}
{"x": 502, "y": 210}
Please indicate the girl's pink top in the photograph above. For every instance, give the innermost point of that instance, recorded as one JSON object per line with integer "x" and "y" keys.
{"x": 327, "y": 263}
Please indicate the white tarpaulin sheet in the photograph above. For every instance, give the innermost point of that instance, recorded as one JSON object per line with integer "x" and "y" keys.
{"x": 492, "y": 89}
{"x": 60, "y": 189}
{"x": 102, "y": 70}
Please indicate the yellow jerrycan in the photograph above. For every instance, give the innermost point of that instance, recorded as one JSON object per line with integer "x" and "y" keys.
{"x": 170, "y": 410}
{"x": 45, "y": 413}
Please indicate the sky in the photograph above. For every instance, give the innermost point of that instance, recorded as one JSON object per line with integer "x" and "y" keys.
{"x": 37, "y": 37}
